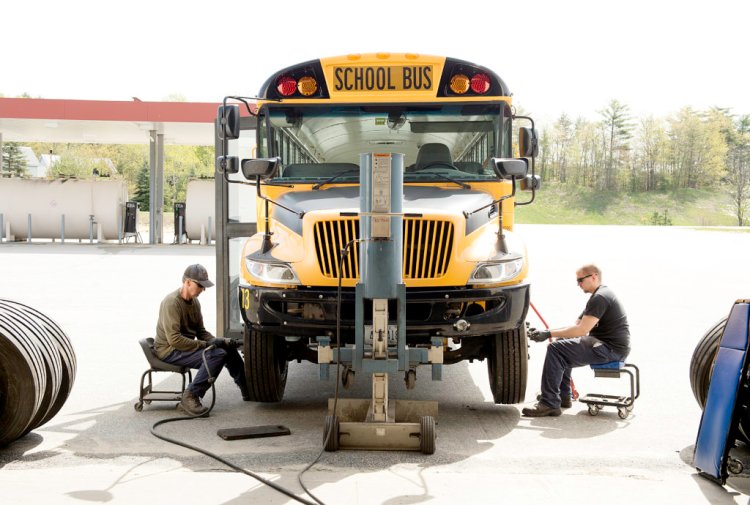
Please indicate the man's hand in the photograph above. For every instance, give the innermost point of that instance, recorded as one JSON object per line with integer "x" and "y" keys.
{"x": 218, "y": 342}
{"x": 538, "y": 336}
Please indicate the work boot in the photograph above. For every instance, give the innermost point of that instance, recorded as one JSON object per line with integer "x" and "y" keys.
{"x": 565, "y": 403}
{"x": 541, "y": 410}
{"x": 191, "y": 404}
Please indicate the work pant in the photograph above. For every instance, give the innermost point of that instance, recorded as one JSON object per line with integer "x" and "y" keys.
{"x": 566, "y": 354}
{"x": 216, "y": 359}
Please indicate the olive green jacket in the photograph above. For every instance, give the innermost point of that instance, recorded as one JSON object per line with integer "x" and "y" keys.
{"x": 180, "y": 326}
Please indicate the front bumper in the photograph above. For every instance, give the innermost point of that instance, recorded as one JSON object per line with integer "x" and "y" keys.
{"x": 429, "y": 312}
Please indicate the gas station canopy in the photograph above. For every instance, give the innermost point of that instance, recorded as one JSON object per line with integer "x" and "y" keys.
{"x": 106, "y": 122}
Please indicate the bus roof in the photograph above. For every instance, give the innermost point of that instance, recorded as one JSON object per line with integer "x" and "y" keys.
{"x": 384, "y": 77}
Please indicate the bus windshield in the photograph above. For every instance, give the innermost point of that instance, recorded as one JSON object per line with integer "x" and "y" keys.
{"x": 318, "y": 142}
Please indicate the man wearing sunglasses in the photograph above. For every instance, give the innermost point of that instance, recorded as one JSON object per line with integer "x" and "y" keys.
{"x": 181, "y": 339}
{"x": 600, "y": 335}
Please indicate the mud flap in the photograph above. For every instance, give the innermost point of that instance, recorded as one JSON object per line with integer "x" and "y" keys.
{"x": 726, "y": 397}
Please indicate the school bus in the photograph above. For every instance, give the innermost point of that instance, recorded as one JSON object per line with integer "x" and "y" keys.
{"x": 464, "y": 268}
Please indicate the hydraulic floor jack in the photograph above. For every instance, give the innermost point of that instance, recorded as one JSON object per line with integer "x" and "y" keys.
{"x": 380, "y": 347}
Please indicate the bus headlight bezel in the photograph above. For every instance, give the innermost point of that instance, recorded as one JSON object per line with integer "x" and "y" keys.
{"x": 272, "y": 272}
{"x": 492, "y": 272}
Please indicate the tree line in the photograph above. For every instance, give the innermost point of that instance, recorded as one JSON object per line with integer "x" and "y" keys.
{"x": 619, "y": 152}
{"x": 616, "y": 152}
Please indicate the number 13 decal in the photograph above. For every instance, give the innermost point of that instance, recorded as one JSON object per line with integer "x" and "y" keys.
{"x": 245, "y": 298}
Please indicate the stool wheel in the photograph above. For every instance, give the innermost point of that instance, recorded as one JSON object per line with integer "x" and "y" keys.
{"x": 735, "y": 466}
{"x": 138, "y": 406}
{"x": 623, "y": 412}
{"x": 593, "y": 410}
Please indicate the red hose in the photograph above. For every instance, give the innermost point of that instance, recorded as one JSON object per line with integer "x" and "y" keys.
{"x": 573, "y": 389}
{"x": 546, "y": 326}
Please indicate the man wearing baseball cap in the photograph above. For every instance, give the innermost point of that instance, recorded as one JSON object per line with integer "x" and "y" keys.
{"x": 181, "y": 339}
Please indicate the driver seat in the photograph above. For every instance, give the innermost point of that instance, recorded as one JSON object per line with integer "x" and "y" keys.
{"x": 431, "y": 153}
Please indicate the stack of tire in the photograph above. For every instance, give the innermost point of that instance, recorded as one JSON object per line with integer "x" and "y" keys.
{"x": 37, "y": 373}
{"x": 702, "y": 365}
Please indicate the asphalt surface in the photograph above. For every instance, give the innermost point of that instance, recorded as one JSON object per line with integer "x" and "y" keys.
{"x": 674, "y": 282}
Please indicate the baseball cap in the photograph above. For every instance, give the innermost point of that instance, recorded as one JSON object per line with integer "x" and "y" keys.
{"x": 197, "y": 273}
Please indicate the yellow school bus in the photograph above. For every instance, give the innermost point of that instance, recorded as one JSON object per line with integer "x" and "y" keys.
{"x": 464, "y": 268}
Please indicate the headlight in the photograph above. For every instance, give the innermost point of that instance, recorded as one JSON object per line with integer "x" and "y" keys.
{"x": 277, "y": 273}
{"x": 488, "y": 273}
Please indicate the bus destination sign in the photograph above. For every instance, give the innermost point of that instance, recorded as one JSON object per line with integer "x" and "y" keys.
{"x": 385, "y": 78}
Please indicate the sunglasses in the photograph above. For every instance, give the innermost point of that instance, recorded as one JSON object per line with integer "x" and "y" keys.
{"x": 197, "y": 284}
{"x": 581, "y": 279}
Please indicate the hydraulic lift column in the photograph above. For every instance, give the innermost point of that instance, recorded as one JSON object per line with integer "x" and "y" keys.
{"x": 380, "y": 347}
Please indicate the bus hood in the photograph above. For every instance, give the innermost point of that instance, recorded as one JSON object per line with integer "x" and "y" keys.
{"x": 417, "y": 199}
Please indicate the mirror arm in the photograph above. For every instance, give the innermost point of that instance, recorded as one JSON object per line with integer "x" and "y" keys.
{"x": 533, "y": 172}
{"x": 267, "y": 244}
{"x": 224, "y": 140}
{"x": 502, "y": 246}
{"x": 533, "y": 187}
{"x": 499, "y": 200}
{"x": 528, "y": 118}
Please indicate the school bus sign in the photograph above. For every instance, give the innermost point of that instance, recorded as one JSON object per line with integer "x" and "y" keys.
{"x": 383, "y": 78}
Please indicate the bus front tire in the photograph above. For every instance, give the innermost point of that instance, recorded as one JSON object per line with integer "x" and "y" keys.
{"x": 266, "y": 367}
{"x": 507, "y": 365}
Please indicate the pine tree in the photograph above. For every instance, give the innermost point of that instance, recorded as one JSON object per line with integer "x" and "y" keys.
{"x": 13, "y": 159}
{"x": 142, "y": 189}
{"x": 616, "y": 127}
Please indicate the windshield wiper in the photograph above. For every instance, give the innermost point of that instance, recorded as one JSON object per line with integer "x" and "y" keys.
{"x": 334, "y": 177}
{"x": 454, "y": 181}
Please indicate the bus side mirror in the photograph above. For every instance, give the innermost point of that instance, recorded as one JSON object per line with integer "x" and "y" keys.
{"x": 531, "y": 183}
{"x": 528, "y": 146}
{"x": 228, "y": 119}
{"x": 510, "y": 168}
{"x": 227, "y": 164}
{"x": 265, "y": 168}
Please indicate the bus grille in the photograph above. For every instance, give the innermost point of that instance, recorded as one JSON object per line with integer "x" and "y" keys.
{"x": 427, "y": 248}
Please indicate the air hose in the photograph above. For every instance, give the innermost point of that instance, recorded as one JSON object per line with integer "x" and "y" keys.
{"x": 329, "y": 429}
{"x": 573, "y": 389}
{"x": 218, "y": 458}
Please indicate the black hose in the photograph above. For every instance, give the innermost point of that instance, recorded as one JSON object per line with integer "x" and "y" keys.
{"x": 218, "y": 458}
{"x": 344, "y": 253}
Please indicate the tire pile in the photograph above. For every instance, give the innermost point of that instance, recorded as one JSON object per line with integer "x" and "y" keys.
{"x": 701, "y": 368}
{"x": 37, "y": 373}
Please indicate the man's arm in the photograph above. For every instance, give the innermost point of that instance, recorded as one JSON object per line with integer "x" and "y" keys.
{"x": 582, "y": 327}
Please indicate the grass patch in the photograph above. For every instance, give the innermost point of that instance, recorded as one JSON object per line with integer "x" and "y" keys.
{"x": 559, "y": 204}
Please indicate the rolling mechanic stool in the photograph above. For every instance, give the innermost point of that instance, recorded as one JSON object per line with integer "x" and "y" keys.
{"x": 624, "y": 404}
{"x": 147, "y": 393}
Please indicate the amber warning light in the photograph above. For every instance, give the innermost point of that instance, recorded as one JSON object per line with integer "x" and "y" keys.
{"x": 288, "y": 86}
{"x": 478, "y": 83}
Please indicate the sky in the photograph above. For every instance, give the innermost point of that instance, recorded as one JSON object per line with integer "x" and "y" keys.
{"x": 566, "y": 56}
